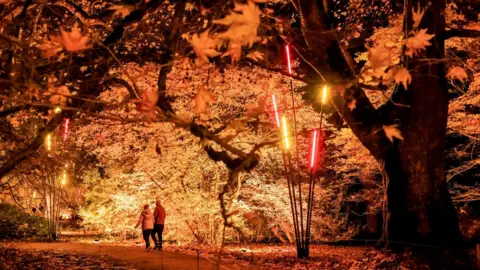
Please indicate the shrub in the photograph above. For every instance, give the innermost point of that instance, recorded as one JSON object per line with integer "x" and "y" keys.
{"x": 16, "y": 224}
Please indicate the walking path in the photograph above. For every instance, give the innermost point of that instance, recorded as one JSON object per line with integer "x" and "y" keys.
{"x": 137, "y": 256}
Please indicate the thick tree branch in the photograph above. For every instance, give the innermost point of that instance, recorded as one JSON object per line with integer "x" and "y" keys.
{"x": 109, "y": 81}
{"x": 457, "y": 32}
{"x": 335, "y": 64}
{"x": 25, "y": 152}
{"x": 173, "y": 37}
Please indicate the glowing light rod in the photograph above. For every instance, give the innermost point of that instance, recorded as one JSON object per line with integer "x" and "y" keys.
{"x": 48, "y": 141}
{"x": 275, "y": 109}
{"x": 287, "y": 49}
{"x": 65, "y": 132}
{"x": 314, "y": 149}
{"x": 285, "y": 133}
{"x": 64, "y": 178}
{"x": 324, "y": 94}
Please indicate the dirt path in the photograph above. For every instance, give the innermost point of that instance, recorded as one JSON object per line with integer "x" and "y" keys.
{"x": 136, "y": 256}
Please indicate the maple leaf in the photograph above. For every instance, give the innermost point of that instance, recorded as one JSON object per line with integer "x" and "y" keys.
{"x": 33, "y": 92}
{"x": 392, "y": 132}
{"x": 204, "y": 46}
{"x": 352, "y": 105}
{"x": 122, "y": 10}
{"x": 403, "y": 76}
{"x": 49, "y": 49}
{"x": 457, "y": 73}
{"x": 234, "y": 51}
{"x": 202, "y": 99}
{"x": 237, "y": 125}
{"x": 243, "y": 24}
{"x": 58, "y": 95}
{"x": 147, "y": 104}
{"x": 254, "y": 110}
{"x": 186, "y": 117}
{"x": 185, "y": 63}
{"x": 72, "y": 41}
{"x": 255, "y": 56}
{"x": 380, "y": 58}
{"x": 417, "y": 42}
{"x": 417, "y": 16}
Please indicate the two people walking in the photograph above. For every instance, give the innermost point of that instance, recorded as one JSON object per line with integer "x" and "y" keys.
{"x": 152, "y": 224}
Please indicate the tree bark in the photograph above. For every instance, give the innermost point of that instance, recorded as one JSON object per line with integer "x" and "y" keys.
{"x": 420, "y": 210}
{"x": 420, "y": 207}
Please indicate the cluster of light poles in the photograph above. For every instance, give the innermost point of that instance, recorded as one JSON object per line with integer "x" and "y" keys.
{"x": 48, "y": 143}
{"x": 302, "y": 229}
{"x": 51, "y": 198}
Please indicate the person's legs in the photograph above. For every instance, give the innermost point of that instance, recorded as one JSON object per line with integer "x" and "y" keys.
{"x": 155, "y": 231}
{"x": 146, "y": 237}
{"x": 160, "y": 236}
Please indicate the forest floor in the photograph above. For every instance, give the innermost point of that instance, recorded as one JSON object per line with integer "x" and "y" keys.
{"x": 116, "y": 255}
{"x": 35, "y": 255}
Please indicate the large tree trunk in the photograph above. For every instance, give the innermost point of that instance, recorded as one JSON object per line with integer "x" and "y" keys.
{"x": 419, "y": 205}
{"x": 420, "y": 210}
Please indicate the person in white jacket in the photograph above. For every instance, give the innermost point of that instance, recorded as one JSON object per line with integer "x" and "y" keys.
{"x": 147, "y": 220}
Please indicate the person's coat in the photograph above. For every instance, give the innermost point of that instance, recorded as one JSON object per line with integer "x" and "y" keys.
{"x": 146, "y": 219}
{"x": 159, "y": 214}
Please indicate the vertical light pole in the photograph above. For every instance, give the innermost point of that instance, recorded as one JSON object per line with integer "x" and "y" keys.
{"x": 315, "y": 145}
{"x": 301, "y": 232}
{"x": 285, "y": 141}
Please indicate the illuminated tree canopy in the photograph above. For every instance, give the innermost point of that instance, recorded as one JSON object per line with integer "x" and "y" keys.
{"x": 133, "y": 100}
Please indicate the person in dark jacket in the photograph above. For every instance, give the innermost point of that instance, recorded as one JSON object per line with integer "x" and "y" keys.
{"x": 159, "y": 215}
{"x": 146, "y": 220}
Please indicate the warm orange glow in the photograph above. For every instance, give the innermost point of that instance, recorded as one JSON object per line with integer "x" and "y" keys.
{"x": 324, "y": 94}
{"x": 275, "y": 109}
{"x": 58, "y": 110}
{"x": 288, "y": 59}
{"x": 64, "y": 178}
{"x": 34, "y": 194}
{"x": 285, "y": 132}
{"x": 314, "y": 149}
{"x": 48, "y": 141}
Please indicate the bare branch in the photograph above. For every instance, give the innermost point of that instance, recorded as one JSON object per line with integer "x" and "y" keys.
{"x": 12, "y": 110}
